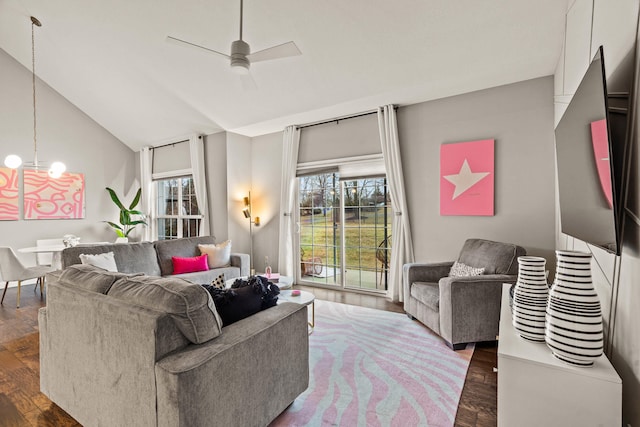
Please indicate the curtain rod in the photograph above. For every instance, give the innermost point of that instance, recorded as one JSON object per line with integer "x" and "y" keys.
{"x": 338, "y": 119}
{"x": 173, "y": 143}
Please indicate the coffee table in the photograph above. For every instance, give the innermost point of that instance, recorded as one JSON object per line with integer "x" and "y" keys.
{"x": 305, "y": 298}
{"x": 284, "y": 282}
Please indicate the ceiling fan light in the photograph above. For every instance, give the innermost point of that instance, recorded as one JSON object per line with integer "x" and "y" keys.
{"x": 12, "y": 161}
{"x": 240, "y": 67}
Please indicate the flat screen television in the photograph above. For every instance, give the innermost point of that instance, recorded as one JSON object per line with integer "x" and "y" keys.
{"x": 589, "y": 163}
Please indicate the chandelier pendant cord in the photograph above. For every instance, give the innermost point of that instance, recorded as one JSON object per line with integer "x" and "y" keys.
{"x": 34, "y": 22}
{"x": 13, "y": 161}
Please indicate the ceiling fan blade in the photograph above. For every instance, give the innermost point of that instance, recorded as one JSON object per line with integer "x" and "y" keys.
{"x": 179, "y": 42}
{"x": 281, "y": 51}
{"x": 247, "y": 82}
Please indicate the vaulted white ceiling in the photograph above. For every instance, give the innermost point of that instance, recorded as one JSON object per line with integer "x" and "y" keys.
{"x": 111, "y": 60}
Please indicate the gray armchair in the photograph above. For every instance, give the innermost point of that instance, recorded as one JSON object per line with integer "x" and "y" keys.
{"x": 462, "y": 309}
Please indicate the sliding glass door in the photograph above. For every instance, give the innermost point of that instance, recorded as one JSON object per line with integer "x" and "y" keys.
{"x": 345, "y": 232}
{"x": 320, "y": 244}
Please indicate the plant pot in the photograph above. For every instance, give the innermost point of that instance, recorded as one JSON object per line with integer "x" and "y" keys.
{"x": 530, "y": 298}
{"x": 574, "y": 315}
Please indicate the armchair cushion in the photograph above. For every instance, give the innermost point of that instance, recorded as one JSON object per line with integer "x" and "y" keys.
{"x": 428, "y": 293}
{"x": 495, "y": 257}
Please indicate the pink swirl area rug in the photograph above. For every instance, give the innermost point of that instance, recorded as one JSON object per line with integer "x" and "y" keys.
{"x": 377, "y": 368}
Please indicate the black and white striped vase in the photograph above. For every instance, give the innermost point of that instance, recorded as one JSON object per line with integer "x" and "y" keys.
{"x": 530, "y": 298}
{"x": 574, "y": 315}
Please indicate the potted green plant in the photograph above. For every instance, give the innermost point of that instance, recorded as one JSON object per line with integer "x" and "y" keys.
{"x": 129, "y": 217}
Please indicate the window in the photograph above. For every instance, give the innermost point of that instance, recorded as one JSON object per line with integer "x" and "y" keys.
{"x": 177, "y": 208}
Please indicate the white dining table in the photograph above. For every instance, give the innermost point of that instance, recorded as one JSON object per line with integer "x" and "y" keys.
{"x": 55, "y": 250}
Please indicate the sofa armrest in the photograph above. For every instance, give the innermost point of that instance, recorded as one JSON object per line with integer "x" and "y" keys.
{"x": 264, "y": 357}
{"x": 423, "y": 272}
{"x": 470, "y": 307}
{"x": 91, "y": 342}
{"x": 242, "y": 261}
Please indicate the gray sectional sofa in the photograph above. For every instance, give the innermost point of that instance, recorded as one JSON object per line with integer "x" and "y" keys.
{"x": 137, "y": 350}
{"x": 154, "y": 258}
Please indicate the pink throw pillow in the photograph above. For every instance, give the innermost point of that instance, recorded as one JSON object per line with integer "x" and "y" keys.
{"x": 189, "y": 265}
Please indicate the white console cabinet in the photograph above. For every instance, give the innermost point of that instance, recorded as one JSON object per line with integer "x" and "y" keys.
{"x": 536, "y": 389}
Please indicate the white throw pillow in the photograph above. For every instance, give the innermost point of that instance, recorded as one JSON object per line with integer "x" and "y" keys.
{"x": 105, "y": 261}
{"x": 460, "y": 269}
{"x": 217, "y": 255}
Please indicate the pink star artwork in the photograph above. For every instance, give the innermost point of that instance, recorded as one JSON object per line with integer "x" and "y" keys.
{"x": 467, "y": 178}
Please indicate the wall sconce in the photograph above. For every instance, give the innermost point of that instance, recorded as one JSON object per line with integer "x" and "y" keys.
{"x": 246, "y": 211}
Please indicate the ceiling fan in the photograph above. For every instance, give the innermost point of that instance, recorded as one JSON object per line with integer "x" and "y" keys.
{"x": 241, "y": 56}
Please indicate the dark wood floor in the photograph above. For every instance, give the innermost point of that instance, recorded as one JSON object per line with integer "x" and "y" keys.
{"x": 22, "y": 404}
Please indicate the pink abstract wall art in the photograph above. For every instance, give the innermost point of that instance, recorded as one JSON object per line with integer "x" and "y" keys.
{"x": 467, "y": 178}
{"x": 9, "y": 208}
{"x": 601, "y": 152}
{"x": 53, "y": 198}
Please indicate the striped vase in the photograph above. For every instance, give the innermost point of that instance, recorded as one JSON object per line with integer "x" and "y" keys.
{"x": 530, "y": 298}
{"x": 574, "y": 316}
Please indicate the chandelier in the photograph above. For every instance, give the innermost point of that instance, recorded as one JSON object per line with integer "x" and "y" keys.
{"x": 13, "y": 161}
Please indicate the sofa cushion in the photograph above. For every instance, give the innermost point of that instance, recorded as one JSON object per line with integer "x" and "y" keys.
{"x": 186, "y": 247}
{"x": 495, "y": 257}
{"x": 206, "y": 277}
{"x": 218, "y": 255}
{"x": 91, "y": 278}
{"x": 190, "y": 264}
{"x": 189, "y": 305}
{"x": 428, "y": 293}
{"x": 105, "y": 261}
{"x": 130, "y": 257}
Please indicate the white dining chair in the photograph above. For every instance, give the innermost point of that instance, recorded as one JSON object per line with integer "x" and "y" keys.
{"x": 12, "y": 270}
{"x": 45, "y": 258}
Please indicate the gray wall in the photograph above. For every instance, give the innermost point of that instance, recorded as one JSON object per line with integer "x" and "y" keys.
{"x": 239, "y": 176}
{"x": 64, "y": 133}
{"x": 228, "y": 166}
{"x": 339, "y": 139}
{"x": 616, "y": 279}
{"x": 267, "y": 179}
{"x": 518, "y": 116}
{"x": 520, "y": 119}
